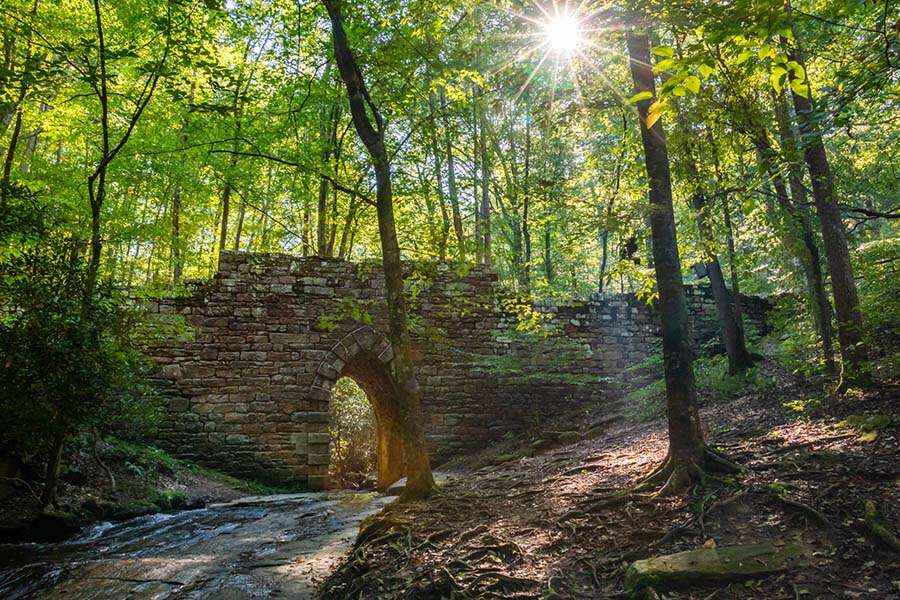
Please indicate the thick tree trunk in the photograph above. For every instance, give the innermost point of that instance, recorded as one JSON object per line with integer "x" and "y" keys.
{"x": 420, "y": 483}
{"x": 686, "y": 445}
{"x": 854, "y": 354}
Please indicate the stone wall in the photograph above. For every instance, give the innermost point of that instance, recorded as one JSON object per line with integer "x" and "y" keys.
{"x": 248, "y": 386}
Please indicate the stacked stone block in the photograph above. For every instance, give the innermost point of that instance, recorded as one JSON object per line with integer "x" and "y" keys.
{"x": 248, "y": 388}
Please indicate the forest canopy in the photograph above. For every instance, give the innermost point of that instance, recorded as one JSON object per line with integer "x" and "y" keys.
{"x": 140, "y": 139}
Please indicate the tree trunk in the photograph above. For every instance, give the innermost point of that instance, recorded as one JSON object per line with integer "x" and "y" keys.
{"x": 739, "y": 359}
{"x": 223, "y": 222}
{"x": 476, "y": 181}
{"x": 732, "y": 262}
{"x": 526, "y": 206}
{"x": 549, "y": 272}
{"x": 819, "y": 305}
{"x": 51, "y": 476}
{"x": 452, "y": 191}
{"x": 240, "y": 227}
{"x": 177, "y": 264}
{"x": 485, "y": 192}
{"x": 420, "y": 483}
{"x": 439, "y": 182}
{"x": 8, "y": 161}
{"x": 687, "y": 451}
{"x": 854, "y": 354}
{"x": 800, "y": 240}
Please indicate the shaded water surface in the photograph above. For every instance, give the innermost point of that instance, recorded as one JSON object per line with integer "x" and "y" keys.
{"x": 259, "y": 547}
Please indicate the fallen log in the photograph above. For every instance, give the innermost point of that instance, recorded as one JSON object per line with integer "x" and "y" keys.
{"x": 712, "y": 565}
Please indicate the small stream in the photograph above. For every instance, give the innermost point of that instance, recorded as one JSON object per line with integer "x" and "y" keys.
{"x": 258, "y": 547}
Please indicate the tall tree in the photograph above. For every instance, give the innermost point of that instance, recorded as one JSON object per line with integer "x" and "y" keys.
{"x": 854, "y": 354}
{"x": 371, "y": 131}
{"x": 688, "y": 456}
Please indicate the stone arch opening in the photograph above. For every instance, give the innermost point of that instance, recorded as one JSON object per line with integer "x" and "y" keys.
{"x": 365, "y": 356}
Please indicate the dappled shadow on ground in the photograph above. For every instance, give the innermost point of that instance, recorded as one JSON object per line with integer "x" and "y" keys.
{"x": 544, "y": 527}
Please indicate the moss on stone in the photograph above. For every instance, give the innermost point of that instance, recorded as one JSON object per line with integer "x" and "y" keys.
{"x": 712, "y": 565}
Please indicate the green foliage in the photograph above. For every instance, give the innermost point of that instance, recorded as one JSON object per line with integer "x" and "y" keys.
{"x": 352, "y": 429}
{"x": 69, "y": 361}
{"x": 347, "y": 308}
{"x": 714, "y": 385}
{"x": 878, "y": 263}
{"x": 535, "y": 351}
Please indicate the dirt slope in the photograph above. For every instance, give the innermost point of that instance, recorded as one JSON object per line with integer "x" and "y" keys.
{"x": 545, "y": 527}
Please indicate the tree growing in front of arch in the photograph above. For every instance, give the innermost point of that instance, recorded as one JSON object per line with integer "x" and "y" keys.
{"x": 370, "y": 127}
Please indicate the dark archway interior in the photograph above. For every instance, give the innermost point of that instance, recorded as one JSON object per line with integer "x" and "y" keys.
{"x": 372, "y": 376}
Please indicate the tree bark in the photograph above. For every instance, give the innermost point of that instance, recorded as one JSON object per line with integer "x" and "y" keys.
{"x": 476, "y": 184}
{"x": 854, "y": 353}
{"x": 452, "y": 190}
{"x": 526, "y": 205}
{"x": 223, "y": 222}
{"x": 819, "y": 305}
{"x": 485, "y": 192}
{"x": 686, "y": 444}
{"x": 439, "y": 183}
{"x": 739, "y": 358}
{"x": 51, "y": 475}
{"x": 420, "y": 483}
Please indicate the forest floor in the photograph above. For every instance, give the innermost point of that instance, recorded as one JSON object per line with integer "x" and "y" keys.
{"x": 542, "y": 526}
{"x": 146, "y": 481}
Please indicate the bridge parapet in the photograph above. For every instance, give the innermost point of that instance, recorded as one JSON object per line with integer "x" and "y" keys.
{"x": 249, "y": 392}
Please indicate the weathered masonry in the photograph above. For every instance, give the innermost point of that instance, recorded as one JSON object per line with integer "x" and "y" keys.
{"x": 248, "y": 387}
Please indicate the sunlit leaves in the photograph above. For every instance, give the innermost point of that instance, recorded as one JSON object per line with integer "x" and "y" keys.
{"x": 654, "y": 112}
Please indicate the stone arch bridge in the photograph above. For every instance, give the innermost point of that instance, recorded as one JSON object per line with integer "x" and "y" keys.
{"x": 247, "y": 388}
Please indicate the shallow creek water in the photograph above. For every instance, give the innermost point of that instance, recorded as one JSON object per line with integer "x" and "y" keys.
{"x": 257, "y": 547}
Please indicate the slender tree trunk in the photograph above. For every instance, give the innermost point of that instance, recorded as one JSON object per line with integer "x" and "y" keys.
{"x": 819, "y": 305}
{"x": 739, "y": 358}
{"x": 485, "y": 192}
{"x": 10, "y": 157}
{"x": 420, "y": 483}
{"x": 854, "y": 353}
{"x": 549, "y": 272}
{"x": 51, "y": 476}
{"x": 687, "y": 451}
{"x": 240, "y": 227}
{"x": 223, "y": 222}
{"x": 343, "y": 248}
{"x": 799, "y": 238}
{"x": 452, "y": 191}
{"x": 526, "y": 205}
{"x": 177, "y": 264}
{"x": 732, "y": 262}
{"x": 476, "y": 181}
{"x": 439, "y": 183}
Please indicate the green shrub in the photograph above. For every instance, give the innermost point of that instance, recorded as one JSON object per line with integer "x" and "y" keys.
{"x": 70, "y": 360}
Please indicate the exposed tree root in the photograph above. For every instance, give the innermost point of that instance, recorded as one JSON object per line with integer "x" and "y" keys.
{"x": 677, "y": 474}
